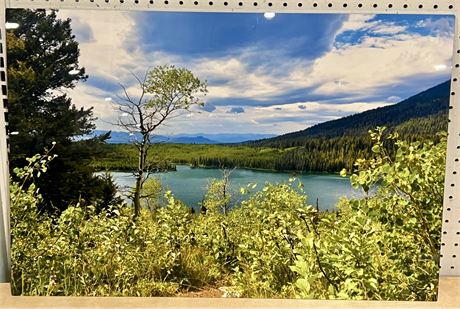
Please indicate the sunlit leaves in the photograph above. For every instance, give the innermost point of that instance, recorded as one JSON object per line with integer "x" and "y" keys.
{"x": 386, "y": 245}
{"x": 273, "y": 244}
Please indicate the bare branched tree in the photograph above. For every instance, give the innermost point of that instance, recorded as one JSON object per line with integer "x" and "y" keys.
{"x": 225, "y": 189}
{"x": 164, "y": 91}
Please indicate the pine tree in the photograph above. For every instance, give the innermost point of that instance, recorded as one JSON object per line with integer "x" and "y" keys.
{"x": 42, "y": 62}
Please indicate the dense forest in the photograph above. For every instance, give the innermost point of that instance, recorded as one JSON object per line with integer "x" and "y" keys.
{"x": 316, "y": 154}
{"x": 422, "y": 114}
{"x": 325, "y": 155}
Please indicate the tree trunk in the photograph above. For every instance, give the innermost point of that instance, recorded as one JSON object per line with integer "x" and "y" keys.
{"x": 225, "y": 194}
{"x": 137, "y": 195}
{"x": 140, "y": 176}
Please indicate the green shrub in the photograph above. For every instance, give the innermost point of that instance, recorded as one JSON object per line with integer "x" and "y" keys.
{"x": 384, "y": 246}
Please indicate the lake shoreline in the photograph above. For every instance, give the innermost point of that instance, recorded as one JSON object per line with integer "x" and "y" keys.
{"x": 190, "y": 184}
{"x": 129, "y": 170}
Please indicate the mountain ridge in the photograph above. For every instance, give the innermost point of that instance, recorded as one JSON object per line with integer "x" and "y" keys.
{"x": 429, "y": 103}
{"x": 119, "y": 137}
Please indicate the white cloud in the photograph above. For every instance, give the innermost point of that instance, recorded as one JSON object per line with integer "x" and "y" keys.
{"x": 388, "y": 29}
{"x": 106, "y": 55}
{"x": 393, "y": 99}
{"x": 439, "y": 26}
{"x": 110, "y": 52}
{"x": 360, "y": 68}
{"x": 113, "y": 53}
{"x": 87, "y": 96}
{"x": 379, "y": 61}
{"x": 356, "y": 22}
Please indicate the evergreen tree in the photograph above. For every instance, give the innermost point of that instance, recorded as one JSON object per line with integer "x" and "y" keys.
{"x": 42, "y": 63}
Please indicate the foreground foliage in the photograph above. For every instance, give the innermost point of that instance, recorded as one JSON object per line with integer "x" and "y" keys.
{"x": 383, "y": 246}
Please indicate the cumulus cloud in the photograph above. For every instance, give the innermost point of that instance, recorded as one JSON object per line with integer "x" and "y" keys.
{"x": 208, "y": 108}
{"x": 236, "y": 110}
{"x": 359, "y": 75}
{"x": 393, "y": 99}
{"x": 440, "y": 26}
{"x": 378, "y": 62}
{"x": 357, "y": 70}
{"x": 112, "y": 51}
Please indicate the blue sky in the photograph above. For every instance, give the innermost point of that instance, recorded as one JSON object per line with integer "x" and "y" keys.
{"x": 264, "y": 76}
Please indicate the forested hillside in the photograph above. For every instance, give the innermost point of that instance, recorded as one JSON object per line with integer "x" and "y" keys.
{"x": 326, "y": 147}
{"x": 333, "y": 145}
{"x": 319, "y": 154}
{"x": 422, "y": 114}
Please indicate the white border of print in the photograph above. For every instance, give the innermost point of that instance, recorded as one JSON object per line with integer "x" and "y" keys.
{"x": 450, "y": 249}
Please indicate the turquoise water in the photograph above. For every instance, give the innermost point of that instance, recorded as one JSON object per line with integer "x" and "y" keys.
{"x": 189, "y": 184}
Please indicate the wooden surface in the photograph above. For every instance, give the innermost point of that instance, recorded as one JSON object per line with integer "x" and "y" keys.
{"x": 449, "y": 297}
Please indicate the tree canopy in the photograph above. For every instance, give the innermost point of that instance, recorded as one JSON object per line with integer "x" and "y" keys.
{"x": 42, "y": 64}
{"x": 164, "y": 92}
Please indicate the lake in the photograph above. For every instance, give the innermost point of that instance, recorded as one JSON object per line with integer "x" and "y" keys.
{"x": 189, "y": 184}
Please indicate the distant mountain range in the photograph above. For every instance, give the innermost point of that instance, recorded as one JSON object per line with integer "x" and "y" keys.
{"x": 118, "y": 137}
{"x": 326, "y": 147}
{"x": 422, "y": 114}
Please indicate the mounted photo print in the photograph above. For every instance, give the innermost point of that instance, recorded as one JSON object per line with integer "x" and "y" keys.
{"x": 227, "y": 154}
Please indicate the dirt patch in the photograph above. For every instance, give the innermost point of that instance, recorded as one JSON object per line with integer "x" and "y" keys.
{"x": 205, "y": 293}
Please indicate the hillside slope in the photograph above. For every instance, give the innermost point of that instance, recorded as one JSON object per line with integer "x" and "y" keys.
{"x": 424, "y": 113}
{"x": 326, "y": 147}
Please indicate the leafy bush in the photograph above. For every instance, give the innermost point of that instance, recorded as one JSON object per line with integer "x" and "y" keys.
{"x": 151, "y": 194}
{"x": 84, "y": 252}
{"x": 265, "y": 229}
{"x": 385, "y": 246}
{"x": 273, "y": 244}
